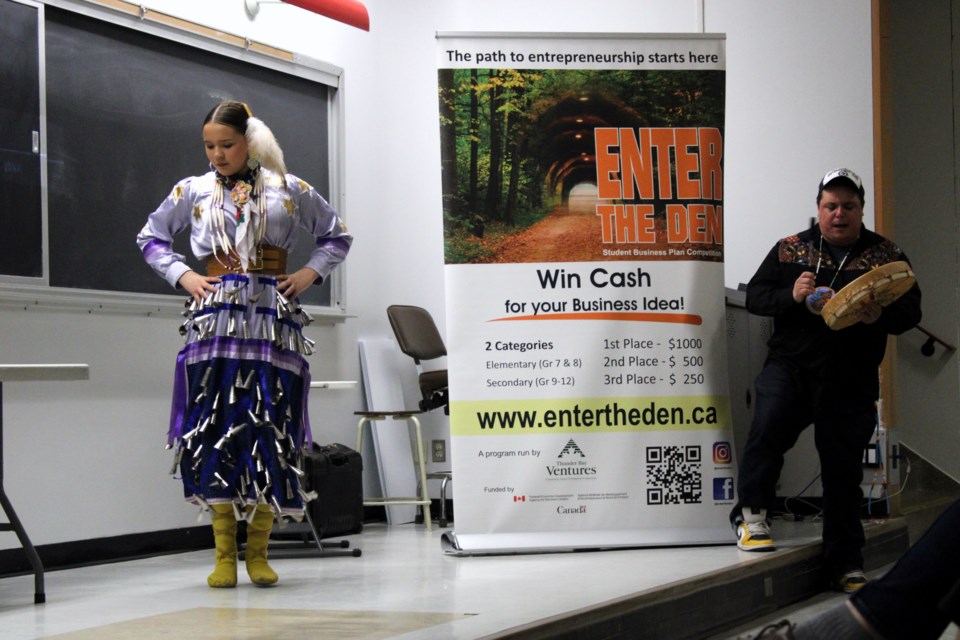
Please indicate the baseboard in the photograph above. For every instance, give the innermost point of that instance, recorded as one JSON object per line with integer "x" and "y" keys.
{"x": 379, "y": 513}
{"x": 79, "y": 553}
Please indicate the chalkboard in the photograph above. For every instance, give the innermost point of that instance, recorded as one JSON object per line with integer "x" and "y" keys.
{"x": 21, "y": 212}
{"x": 124, "y": 119}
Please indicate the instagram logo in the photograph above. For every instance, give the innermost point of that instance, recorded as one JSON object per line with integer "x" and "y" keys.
{"x": 722, "y": 453}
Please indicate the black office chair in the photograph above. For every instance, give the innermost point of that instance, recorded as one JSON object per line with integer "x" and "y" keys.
{"x": 418, "y": 337}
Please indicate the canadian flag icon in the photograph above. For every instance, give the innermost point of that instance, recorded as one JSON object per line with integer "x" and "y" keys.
{"x": 519, "y": 498}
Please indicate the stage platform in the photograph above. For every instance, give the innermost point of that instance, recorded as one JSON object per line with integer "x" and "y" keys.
{"x": 402, "y": 587}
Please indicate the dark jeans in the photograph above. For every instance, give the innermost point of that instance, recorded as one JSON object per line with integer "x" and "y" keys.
{"x": 786, "y": 404}
{"x": 920, "y": 595}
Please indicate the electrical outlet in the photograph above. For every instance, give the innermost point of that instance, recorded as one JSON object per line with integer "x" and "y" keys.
{"x": 439, "y": 450}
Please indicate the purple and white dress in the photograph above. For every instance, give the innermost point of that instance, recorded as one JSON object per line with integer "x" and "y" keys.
{"x": 239, "y": 419}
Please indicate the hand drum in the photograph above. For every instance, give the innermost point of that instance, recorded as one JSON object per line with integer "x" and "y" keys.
{"x": 885, "y": 284}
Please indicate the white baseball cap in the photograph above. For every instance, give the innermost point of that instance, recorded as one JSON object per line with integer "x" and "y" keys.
{"x": 846, "y": 176}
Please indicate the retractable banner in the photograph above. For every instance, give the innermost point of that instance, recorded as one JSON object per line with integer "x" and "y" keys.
{"x": 586, "y": 328}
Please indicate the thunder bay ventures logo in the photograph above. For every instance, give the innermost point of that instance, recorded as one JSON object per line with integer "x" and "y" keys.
{"x": 571, "y": 463}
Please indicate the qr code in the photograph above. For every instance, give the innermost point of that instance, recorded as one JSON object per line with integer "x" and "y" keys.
{"x": 673, "y": 475}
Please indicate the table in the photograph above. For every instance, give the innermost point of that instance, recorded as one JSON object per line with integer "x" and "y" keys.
{"x": 19, "y": 373}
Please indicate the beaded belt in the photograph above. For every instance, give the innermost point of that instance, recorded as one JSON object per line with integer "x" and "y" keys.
{"x": 268, "y": 261}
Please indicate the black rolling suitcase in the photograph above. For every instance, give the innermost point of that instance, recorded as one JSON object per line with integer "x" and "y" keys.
{"x": 334, "y": 471}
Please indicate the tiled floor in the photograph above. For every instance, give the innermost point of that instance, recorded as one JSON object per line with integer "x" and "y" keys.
{"x": 402, "y": 587}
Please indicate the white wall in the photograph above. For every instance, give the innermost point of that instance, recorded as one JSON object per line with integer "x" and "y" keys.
{"x": 86, "y": 459}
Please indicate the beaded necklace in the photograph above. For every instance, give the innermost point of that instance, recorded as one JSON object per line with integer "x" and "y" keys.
{"x": 839, "y": 269}
{"x": 243, "y": 190}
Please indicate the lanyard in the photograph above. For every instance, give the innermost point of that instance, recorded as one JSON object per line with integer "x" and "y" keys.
{"x": 839, "y": 269}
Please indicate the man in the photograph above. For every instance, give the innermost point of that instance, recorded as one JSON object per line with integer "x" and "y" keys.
{"x": 816, "y": 375}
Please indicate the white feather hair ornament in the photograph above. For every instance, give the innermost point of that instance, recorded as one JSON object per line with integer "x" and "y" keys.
{"x": 263, "y": 147}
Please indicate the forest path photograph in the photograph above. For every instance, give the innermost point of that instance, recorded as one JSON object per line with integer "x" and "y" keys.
{"x": 562, "y": 235}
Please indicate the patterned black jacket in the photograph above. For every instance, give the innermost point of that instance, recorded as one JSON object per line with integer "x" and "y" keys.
{"x": 845, "y": 360}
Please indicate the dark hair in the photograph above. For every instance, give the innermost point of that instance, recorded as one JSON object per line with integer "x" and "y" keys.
{"x": 230, "y": 113}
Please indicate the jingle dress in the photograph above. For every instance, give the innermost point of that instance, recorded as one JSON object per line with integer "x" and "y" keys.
{"x": 239, "y": 419}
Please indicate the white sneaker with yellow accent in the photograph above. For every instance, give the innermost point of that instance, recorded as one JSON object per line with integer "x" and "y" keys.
{"x": 753, "y": 533}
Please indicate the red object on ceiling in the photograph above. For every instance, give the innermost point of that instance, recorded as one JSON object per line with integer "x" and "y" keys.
{"x": 351, "y": 12}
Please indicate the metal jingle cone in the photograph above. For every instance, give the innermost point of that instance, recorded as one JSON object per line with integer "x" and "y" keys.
{"x": 297, "y": 341}
{"x": 300, "y": 472}
{"x": 189, "y": 435}
{"x": 307, "y": 318}
{"x": 177, "y": 457}
{"x": 276, "y": 506}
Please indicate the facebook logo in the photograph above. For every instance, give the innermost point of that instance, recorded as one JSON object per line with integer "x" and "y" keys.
{"x": 723, "y": 488}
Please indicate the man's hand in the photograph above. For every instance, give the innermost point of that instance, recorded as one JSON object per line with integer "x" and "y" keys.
{"x": 804, "y": 286}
